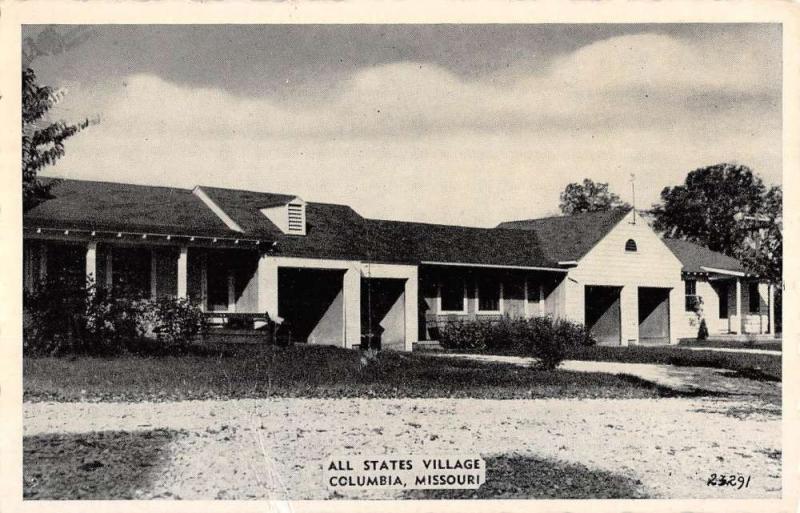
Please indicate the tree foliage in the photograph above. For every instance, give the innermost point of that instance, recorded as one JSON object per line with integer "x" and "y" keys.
{"x": 762, "y": 248}
{"x": 727, "y": 208}
{"x": 588, "y": 196}
{"x": 42, "y": 138}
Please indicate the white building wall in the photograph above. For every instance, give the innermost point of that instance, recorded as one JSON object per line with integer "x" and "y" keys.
{"x": 753, "y": 323}
{"x": 608, "y": 264}
{"x": 351, "y": 290}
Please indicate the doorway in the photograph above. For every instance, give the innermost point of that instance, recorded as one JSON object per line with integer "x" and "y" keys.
{"x": 653, "y": 316}
{"x": 603, "y": 319}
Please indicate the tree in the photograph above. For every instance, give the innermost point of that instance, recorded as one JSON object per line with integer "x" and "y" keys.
{"x": 702, "y": 210}
{"x": 42, "y": 139}
{"x": 588, "y": 197}
{"x": 762, "y": 248}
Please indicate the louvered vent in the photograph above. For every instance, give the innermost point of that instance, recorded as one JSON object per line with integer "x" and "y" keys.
{"x": 297, "y": 218}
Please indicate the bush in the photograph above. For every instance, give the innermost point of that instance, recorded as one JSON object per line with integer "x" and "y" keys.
{"x": 546, "y": 339}
{"x": 702, "y": 331}
{"x": 469, "y": 336}
{"x": 61, "y": 318}
{"x": 550, "y": 340}
{"x": 51, "y": 317}
{"x": 174, "y": 322}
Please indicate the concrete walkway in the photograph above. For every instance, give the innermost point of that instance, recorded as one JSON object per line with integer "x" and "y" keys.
{"x": 732, "y": 350}
{"x": 682, "y": 379}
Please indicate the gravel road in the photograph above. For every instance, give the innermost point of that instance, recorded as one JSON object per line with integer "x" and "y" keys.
{"x": 276, "y": 448}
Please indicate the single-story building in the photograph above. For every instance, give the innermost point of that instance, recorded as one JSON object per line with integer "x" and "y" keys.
{"x": 335, "y": 275}
{"x": 721, "y": 290}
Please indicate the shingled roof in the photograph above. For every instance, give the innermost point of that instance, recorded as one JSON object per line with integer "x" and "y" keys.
{"x": 436, "y": 243}
{"x": 92, "y": 205}
{"x": 569, "y": 238}
{"x": 333, "y": 231}
{"x": 697, "y": 259}
{"x": 338, "y": 231}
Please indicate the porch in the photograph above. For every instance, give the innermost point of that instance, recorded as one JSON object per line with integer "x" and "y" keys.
{"x": 241, "y": 286}
{"x": 735, "y": 306}
{"x": 457, "y": 293}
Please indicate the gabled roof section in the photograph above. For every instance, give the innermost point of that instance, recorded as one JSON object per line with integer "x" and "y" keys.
{"x": 244, "y": 207}
{"x": 569, "y": 238}
{"x": 699, "y": 259}
{"x": 422, "y": 242}
{"x": 333, "y": 231}
{"x": 94, "y": 205}
{"x": 338, "y": 231}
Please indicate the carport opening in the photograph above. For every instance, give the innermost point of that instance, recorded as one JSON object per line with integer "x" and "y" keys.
{"x": 383, "y": 313}
{"x": 653, "y": 316}
{"x": 311, "y": 302}
{"x": 602, "y": 308}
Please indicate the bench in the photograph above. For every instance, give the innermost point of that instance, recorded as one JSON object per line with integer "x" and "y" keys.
{"x": 245, "y": 325}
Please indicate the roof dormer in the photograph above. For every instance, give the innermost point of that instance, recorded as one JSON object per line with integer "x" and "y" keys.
{"x": 289, "y": 217}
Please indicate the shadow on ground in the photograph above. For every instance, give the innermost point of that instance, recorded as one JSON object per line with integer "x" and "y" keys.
{"x": 523, "y": 477}
{"x": 97, "y": 465}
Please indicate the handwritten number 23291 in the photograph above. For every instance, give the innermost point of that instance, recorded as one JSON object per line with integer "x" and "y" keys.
{"x": 731, "y": 480}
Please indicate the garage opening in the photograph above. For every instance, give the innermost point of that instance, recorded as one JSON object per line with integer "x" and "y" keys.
{"x": 602, "y": 307}
{"x": 383, "y": 312}
{"x": 311, "y": 301}
{"x": 653, "y": 316}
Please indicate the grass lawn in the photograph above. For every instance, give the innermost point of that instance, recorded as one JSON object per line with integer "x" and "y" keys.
{"x": 309, "y": 371}
{"x": 771, "y": 345}
{"x": 755, "y": 366}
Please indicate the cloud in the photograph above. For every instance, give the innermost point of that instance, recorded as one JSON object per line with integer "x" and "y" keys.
{"x": 413, "y": 140}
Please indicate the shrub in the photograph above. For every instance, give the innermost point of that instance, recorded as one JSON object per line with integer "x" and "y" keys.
{"x": 702, "y": 331}
{"x": 546, "y": 339}
{"x": 469, "y": 336}
{"x": 60, "y": 317}
{"x": 173, "y": 321}
{"x": 108, "y": 322}
{"x": 550, "y": 340}
{"x": 51, "y": 317}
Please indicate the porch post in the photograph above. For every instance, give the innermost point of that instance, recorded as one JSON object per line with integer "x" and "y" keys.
{"x": 91, "y": 260}
{"x": 541, "y": 299}
{"x": 153, "y": 273}
{"x": 42, "y": 262}
{"x": 351, "y": 287}
{"x": 771, "y": 319}
{"x": 739, "y": 305}
{"x": 182, "y": 259}
{"x": 109, "y": 267}
{"x": 526, "y": 308}
{"x": 268, "y": 286}
{"x": 411, "y": 309}
{"x": 204, "y": 281}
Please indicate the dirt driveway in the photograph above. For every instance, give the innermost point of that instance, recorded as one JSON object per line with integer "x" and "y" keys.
{"x": 276, "y": 448}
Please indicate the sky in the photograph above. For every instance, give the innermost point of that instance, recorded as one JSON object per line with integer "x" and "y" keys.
{"x": 455, "y": 124}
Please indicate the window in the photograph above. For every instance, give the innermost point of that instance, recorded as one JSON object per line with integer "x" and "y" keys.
{"x": 754, "y": 297}
{"x": 489, "y": 294}
{"x": 692, "y": 299}
{"x": 451, "y": 294}
{"x": 131, "y": 271}
{"x": 630, "y": 245}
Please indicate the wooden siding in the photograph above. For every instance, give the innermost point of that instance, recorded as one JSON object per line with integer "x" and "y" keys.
{"x": 609, "y": 264}
{"x": 753, "y": 323}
